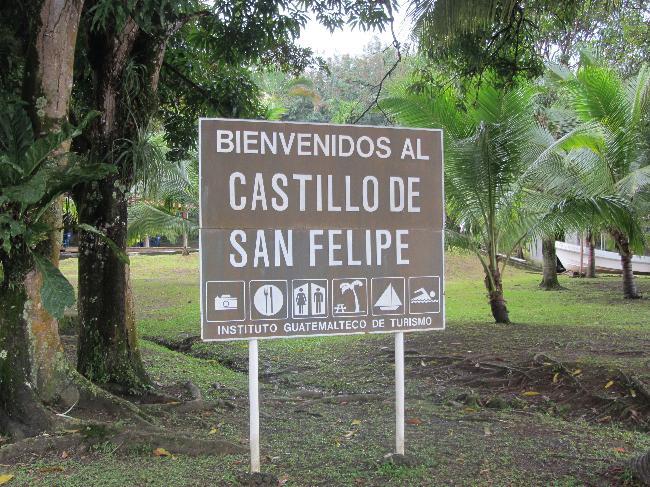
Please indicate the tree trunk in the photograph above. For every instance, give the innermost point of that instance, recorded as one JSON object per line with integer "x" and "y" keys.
{"x": 21, "y": 412}
{"x": 591, "y": 257}
{"x": 107, "y": 351}
{"x": 186, "y": 250}
{"x": 623, "y": 246}
{"x": 47, "y": 89}
{"x": 549, "y": 266}
{"x": 147, "y": 241}
{"x": 494, "y": 287}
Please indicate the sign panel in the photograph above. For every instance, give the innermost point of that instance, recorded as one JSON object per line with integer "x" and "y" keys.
{"x": 318, "y": 229}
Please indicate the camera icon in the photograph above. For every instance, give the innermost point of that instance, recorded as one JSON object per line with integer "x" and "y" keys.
{"x": 225, "y": 302}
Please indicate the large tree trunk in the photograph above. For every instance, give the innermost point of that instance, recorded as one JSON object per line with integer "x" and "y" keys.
{"x": 107, "y": 348}
{"x": 47, "y": 89}
{"x": 494, "y": 287}
{"x": 107, "y": 351}
{"x": 591, "y": 256}
{"x": 21, "y": 412}
{"x": 549, "y": 265}
{"x": 629, "y": 284}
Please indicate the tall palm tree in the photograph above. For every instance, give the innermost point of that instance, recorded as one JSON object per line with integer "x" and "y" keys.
{"x": 487, "y": 138}
{"x": 615, "y": 148}
{"x": 172, "y": 210}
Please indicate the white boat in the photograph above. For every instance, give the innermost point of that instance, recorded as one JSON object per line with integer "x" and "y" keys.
{"x": 569, "y": 255}
{"x": 389, "y": 300}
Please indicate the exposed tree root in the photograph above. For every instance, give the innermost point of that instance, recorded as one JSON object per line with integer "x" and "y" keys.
{"x": 195, "y": 405}
{"x": 627, "y": 398}
{"x": 640, "y": 467}
{"x": 94, "y": 397}
{"x": 124, "y": 439}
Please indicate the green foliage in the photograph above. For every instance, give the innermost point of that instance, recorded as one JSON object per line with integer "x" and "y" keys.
{"x": 30, "y": 180}
{"x": 608, "y": 154}
{"x": 339, "y": 93}
{"x": 515, "y": 38}
{"x": 56, "y": 292}
{"x": 172, "y": 210}
{"x": 487, "y": 149}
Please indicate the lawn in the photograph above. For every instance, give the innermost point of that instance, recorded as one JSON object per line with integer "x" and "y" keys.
{"x": 525, "y": 404}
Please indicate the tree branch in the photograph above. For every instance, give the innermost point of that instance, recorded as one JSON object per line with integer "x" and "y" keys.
{"x": 380, "y": 86}
{"x": 185, "y": 79}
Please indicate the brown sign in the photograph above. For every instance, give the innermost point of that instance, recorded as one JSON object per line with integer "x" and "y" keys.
{"x": 318, "y": 229}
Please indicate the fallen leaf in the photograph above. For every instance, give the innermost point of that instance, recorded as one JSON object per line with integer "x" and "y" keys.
{"x": 487, "y": 431}
{"x": 161, "y": 452}
{"x": 356, "y": 422}
{"x": 530, "y": 393}
{"x": 609, "y": 384}
{"x": 632, "y": 393}
{"x": 283, "y": 480}
{"x": 64, "y": 454}
{"x": 5, "y": 478}
{"x": 556, "y": 377}
{"x": 620, "y": 449}
{"x": 576, "y": 372}
{"x": 349, "y": 434}
{"x": 415, "y": 421}
{"x": 605, "y": 419}
{"x": 213, "y": 431}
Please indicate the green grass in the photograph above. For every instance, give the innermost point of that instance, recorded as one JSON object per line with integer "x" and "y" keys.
{"x": 324, "y": 444}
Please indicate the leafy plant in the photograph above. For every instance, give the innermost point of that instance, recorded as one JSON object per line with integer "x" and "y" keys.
{"x": 31, "y": 179}
{"x": 487, "y": 149}
{"x": 173, "y": 209}
{"x": 610, "y": 148}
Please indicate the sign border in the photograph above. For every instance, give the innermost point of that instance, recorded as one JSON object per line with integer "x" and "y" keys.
{"x": 442, "y": 232}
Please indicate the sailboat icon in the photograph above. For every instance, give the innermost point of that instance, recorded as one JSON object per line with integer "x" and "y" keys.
{"x": 389, "y": 300}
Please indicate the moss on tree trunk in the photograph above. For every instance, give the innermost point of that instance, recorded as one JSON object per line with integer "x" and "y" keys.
{"x": 21, "y": 412}
{"x": 107, "y": 351}
{"x": 47, "y": 90}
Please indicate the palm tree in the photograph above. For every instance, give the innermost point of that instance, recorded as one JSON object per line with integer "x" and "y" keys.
{"x": 615, "y": 147}
{"x": 487, "y": 148}
{"x": 172, "y": 210}
{"x": 351, "y": 286}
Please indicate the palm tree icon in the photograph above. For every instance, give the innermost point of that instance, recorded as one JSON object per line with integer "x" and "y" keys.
{"x": 351, "y": 286}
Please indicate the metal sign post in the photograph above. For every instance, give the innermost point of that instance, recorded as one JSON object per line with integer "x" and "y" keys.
{"x": 254, "y": 404}
{"x": 318, "y": 229}
{"x": 399, "y": 393}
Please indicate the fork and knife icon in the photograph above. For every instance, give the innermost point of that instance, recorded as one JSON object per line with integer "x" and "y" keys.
{"x": 268, "y": 299}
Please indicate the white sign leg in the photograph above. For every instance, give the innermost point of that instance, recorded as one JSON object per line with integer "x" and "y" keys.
{"x": 254, "y": 402}
{"x": 399, "y": 393}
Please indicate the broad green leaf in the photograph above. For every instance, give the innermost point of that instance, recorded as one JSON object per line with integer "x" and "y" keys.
{"x": 56, "y": 293}
{"x": 28, "y": 192}
{"x": 121, "y": 255}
